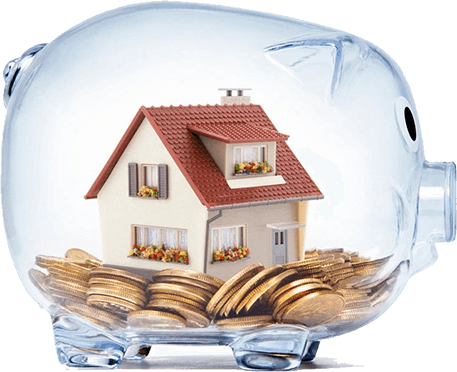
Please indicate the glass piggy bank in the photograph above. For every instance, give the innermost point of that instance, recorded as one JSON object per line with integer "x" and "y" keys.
{"x": 264, "y": 188}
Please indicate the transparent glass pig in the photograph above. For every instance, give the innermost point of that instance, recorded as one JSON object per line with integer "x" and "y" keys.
{"x": 350, "y": 121}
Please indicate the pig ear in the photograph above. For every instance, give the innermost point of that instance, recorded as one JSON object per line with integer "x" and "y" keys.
{"x": 317, "y": 62}
{"x": 323, "y": 63}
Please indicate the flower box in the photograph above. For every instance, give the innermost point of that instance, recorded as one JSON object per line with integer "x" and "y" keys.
{"x": 231, "y": 255}
{"x": 152, "y": 252}
{"x": 149, "y": 192}
{"x": 253, "y": 168}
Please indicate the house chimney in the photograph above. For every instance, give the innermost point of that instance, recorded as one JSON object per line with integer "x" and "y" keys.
{"x": 238, "y": 99}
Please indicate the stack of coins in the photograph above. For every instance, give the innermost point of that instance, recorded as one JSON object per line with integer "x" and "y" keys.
{"x": 117, "y": 291}
{"x": 65, "y": 281}
{"x": 182, "y": 293}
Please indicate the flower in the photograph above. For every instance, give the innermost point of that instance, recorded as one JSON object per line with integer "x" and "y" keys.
{"x": 148, "y": 192}
{"x": 155, "y": 253}
{"x": 231, "y": 255}
{"x": 253, "y": 167}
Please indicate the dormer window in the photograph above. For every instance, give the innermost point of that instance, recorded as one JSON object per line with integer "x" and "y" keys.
{"x": 250, "y": 154}
{"x": 244, "y": 152}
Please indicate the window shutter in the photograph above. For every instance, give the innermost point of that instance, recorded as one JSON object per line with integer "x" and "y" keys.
{"x": 163, "y": 181}
{"x": 133, "y": 179}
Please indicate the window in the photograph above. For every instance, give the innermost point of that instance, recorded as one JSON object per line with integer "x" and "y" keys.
{"x": 148, "y": 181}
{"x": 251, "y": 160}
{"x": 250, "y": 154}
{"x": 160, "y": 244}
{"x": 150, "y": 175}
{"x": 229, "y": 243}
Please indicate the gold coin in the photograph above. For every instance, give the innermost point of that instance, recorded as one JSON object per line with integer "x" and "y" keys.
{"x": 64, "y": 290}
{"x": 352, "y": 315}
{"x": 121, "y": 280}
{"x": 222, "y": 305}
{"x": 118, "y": 284}
{"x": 245, "y": 322}
{"x": 133, "y": 297}
{"x": 272, "y": 299}
{"x": 243, "y": 276}
{"x": 63, "y": 297}
{"x": 47, "y": 261}
{"x": 263, "y": 291}
{"x": 350, "y": 282}
{"x": 248, "y": 318}
{"x": 69, "y": 273}
{"x": 113, "y": 304}
{"x": 337, "y": 267}
{"x": 155, "y": 319}
{"x": 335, "y": 278}
{"x": 40, "y": 281}
{"x": 188, "y": 281}
{"x": 166, "y": 296}
{"x": 183, "y": 273}
{"x": 181, "y": 290}
{"x": 120, "y": 274}
{"x": 73, "y": 288}
{"x": 81, "y": 257}
{"x": 356, "y": 303}
{"x": 309, "y": 263}
{"x": 256, "y": 280}
{"x": 313, "y": 253}
{"x": 370, "y": 267}
{"x": 314, "y": 309}
{"x": 95, "y": 315}
{"x": 331, "y": 251}
{"x": 354, "y": 293}
{"x": 195, "y": 318}
{"x": 295, "y": 293}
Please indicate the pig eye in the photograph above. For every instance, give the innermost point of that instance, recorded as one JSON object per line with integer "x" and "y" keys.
{"x": 406, "y": 123}
{"x": 410, "y": 123}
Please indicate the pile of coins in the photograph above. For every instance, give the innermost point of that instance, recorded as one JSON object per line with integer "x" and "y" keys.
{"x": 177, "y": 298}
{"x": 67, "y": 280}
{"x": 327, "y": 287}
{"x": 116, "y": 290}
{"x": 331, "y": 286}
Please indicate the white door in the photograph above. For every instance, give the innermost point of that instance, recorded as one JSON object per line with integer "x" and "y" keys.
{"x": 279, "y": 246}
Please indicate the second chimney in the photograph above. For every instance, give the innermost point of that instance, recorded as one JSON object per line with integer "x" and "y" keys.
{"x": 235, "y": 96}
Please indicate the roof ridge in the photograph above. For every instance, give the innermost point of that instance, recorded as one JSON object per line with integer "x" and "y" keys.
{"x": 216, "y": 105}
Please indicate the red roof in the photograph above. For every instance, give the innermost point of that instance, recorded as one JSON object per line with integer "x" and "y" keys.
{"x": 174, "y": 126}
{"x": 237, "y": 132}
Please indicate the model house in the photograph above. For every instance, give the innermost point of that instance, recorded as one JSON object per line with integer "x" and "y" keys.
{"x": 210, "y": 188}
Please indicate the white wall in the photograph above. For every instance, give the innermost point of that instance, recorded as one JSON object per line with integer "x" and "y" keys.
{"x": 118, "y": 211}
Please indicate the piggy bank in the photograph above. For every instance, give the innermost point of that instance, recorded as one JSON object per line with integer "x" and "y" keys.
{"x": 264, "y": 189}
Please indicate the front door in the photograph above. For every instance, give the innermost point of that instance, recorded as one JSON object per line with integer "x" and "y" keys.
{"x": 279, "y": 246}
